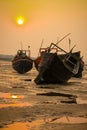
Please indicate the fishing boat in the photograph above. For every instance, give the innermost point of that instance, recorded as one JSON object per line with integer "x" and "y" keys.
{"x": 81, "y": 67}
{"x": 55, "y": 68}
{"x": 22, "y": 61}
{"x": 42, "y": 50}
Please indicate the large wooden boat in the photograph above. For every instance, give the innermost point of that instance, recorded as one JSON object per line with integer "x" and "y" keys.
{"x": 81, "y": 67}
{"x": 55, "y": 68}
{"x": 42, "y": 50}
{"x": 22, "y": 62}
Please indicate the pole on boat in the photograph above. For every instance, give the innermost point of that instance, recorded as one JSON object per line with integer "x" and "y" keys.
{"x": 63, "y": 38}
{"x": 57, "y": 47}
{"x": 72, "y": 49}
{"x": 58, "y": 42}
{"x": 40, "y": 46}
{"x": 29, "y": 51}
{"x": 69, "y": 44}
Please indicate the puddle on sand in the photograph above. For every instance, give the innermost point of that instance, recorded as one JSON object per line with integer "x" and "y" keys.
{"x": 15, "y": 105}
{"x": 24, "y": 125}
{"x": 34, "y": 125}
{"x": 14, "y": 102}
{"x": 9, "y": 95}
{"x": 17, "y": 126}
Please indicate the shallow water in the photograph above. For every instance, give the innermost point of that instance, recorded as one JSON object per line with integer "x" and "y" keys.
{"x": 18, "y": 90}
{"x": 19, "y": 86}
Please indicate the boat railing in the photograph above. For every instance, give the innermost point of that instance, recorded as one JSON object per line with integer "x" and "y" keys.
{"x": 70, "y": 62}
{"x": 45, "y": 49}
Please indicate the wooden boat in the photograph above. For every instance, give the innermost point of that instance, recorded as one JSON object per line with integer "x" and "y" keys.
{"x": 22, "y": 62}
{"x": 42, "y": 50}
{"x": 55, "y": 68}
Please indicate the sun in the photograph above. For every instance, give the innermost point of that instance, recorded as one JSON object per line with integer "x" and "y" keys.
{"x": 20, "y": 20}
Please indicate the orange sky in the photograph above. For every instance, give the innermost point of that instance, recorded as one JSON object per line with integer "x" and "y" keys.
{"x": 44, "y": 19}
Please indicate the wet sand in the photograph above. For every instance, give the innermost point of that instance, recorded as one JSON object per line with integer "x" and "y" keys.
{"x": 27, "y": 106}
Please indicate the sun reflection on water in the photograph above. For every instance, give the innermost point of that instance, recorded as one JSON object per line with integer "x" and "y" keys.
{"x": 8, "y": 95}
{"x": 13, "y": 100}
{"x": 16, "y": 105}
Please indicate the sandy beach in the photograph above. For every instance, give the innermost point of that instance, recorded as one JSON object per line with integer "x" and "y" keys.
{"x": 27, "y": 106}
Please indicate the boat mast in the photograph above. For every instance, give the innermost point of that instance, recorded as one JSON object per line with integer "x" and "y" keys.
{"x": 29, "y": 51}
{"x": 40, "y": 47}
{"x": 57, "y": 42}
{"x": 63, "y": 38}
{"x": 69, "y": 44}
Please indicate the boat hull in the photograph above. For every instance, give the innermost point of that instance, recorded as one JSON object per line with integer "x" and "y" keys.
{"x": 78, "y": 75}
{"x": 22, "y": 65}
{"x": 54, "y": 69}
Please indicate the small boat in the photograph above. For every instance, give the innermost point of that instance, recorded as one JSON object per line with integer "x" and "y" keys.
{"x": 55, "y": 68}
{"x": 22, "y": 62}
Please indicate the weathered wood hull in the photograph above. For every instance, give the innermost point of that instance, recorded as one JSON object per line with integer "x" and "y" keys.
{"x": 78, "y": 75}
{"x": 54, "y": 69}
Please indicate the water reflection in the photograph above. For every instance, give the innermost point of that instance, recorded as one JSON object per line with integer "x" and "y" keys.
{"x": 25, "y": 125}
{"x": 8, "y": 95}
{"x": 17, "y": 126}
{"x": 16, "y": 105}
{"x": 12, "y": 100}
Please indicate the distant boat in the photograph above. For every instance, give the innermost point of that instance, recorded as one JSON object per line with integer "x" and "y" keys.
{"x": 55, "y": 68}
{"x": 22, "y": 62}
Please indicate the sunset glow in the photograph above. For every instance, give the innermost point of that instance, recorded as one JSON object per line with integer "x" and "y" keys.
{"x": 34, "y": 20}
{"x": 20, "y": 20}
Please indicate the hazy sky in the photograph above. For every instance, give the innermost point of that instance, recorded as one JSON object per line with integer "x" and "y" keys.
{"x": 44, "y": 19}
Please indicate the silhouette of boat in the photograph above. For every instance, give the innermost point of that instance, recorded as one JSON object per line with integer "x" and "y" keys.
{"x": 42, "y": 50}
{"x": 22, "y": 62}
{"x": 55, "y": 68}
{"x": 81, "y": 66}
